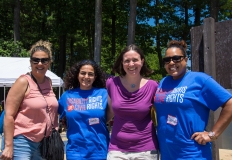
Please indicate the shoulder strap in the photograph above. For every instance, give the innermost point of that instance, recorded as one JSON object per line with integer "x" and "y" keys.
{"x": 47, "y": 110}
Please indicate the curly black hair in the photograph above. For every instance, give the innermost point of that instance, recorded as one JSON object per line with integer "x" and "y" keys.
{"x": 71, "y": 80}
{"x": 178, "y": 44}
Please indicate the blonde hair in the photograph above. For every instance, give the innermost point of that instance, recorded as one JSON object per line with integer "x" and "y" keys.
{"x": 42, "y": 46}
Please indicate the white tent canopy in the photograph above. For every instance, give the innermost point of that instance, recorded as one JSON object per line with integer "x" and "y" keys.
{"x": 12, "y": 67}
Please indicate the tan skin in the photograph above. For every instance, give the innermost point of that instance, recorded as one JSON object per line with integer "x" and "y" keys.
{"x": 18, "y": 91}
{"x": 223, "y": 121}
{"x": 178, "y": 70}
{"x": 132, "y": 64}
{"x": 109, "y": 111}
{"x": 86, "y": 77}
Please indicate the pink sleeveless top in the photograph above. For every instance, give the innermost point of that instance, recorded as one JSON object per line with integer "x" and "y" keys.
{"x": 32, "y": 118}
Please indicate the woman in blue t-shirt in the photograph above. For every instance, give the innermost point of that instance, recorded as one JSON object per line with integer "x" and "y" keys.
{"x": 84, "y": 106}
{"x": 183, "y": 101}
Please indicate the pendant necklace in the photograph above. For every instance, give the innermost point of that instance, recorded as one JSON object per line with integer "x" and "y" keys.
{"x": 132, "y": 85}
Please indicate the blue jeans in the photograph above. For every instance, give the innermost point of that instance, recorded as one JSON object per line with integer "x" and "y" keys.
{"x": 25, "y": 149}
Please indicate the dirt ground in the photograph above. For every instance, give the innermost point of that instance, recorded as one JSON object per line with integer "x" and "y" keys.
{"x": 225, "y": 154}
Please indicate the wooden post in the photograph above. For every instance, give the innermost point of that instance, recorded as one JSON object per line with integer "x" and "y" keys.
{"x": 210, "y": 69}
{"x": 98, "y": 31}
{"x": 132, "y": 22}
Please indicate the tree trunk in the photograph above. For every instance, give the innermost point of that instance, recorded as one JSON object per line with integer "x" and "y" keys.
{"x": 186, "y": 18}
{"x": 71, "y": 58}
{"x": 113, "y": 32}
{"x": 16, "y": 20}
{"x": 98, "y": 31}
{"x": 89, "y": 31}
{"x": 132, "y": 22}
{"x": 214, "y": 9}
{"x": 62, "y": 56}
{"x": 158, "y": 48}
{"x": 197, "y": 10}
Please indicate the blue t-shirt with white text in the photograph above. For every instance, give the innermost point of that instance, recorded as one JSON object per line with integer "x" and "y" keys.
{"x": 87, "y": 134}
{"x": 183, "y": 107}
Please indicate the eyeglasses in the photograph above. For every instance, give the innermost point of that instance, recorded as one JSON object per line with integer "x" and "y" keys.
{"x": 42, "y": 60}
{"x": 175, "y": 59}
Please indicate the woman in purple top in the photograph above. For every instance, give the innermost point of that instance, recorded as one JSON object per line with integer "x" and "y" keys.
{"x": 131, "y": 94}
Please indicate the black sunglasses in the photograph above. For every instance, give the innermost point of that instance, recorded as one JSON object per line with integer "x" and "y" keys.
{"x": 175, "y": 59}
{"x": 42, "y": 60}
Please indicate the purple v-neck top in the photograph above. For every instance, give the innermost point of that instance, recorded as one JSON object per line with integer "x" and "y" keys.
{"x": 133, "y": 130}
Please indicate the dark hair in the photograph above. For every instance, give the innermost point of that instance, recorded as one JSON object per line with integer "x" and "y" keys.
{"x": 71, "y": 80}
{"x": 178, "y": 44}
{"x": 41, "y": 45}
{"x": 118, "y": 68}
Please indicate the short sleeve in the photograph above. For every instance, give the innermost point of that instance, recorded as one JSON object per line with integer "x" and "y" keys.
{"x": 214, "y": 94}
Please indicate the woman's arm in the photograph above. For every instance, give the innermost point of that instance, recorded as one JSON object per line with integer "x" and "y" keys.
{"x": 13, "y": 101}
{"x": 109, "y": 111}
{"x": 223, "y": 121}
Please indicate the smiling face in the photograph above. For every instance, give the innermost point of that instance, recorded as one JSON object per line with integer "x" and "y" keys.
{"x": 86, "y": 77}
{"x": 132, "y": 63}
{"x": 40, "y": 62}
{"x": 176, "y": 68}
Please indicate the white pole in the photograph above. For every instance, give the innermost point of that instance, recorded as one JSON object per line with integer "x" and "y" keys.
{"x": 59, "y": 91}
{"x": 4, "y": 95}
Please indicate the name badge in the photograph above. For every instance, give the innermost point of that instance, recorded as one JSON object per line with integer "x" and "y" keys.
{"x": 172, "y": 120}
{"x": 93, "y": 121}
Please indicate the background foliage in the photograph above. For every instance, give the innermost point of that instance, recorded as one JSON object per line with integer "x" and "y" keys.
{"x": 69, "y": 26}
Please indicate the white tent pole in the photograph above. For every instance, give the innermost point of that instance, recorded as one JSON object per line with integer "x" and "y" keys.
{"x": 59, "y": 92}
{"x": 4, "y": 94}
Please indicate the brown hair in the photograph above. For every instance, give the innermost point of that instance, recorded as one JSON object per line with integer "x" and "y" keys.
{"x": 118, "y": 68}
{"x": 41, "y": 46}
{"x": 178, "y": 44}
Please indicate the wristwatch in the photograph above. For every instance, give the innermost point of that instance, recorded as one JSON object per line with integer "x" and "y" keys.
{"x": 212, "y": 135}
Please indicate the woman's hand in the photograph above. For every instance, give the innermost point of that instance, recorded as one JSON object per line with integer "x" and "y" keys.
{"x": 201, "y": 137}
{"x": 7, "y": 153}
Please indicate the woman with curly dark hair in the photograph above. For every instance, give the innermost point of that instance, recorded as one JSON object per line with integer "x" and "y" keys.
{"x": 84, "y": 105}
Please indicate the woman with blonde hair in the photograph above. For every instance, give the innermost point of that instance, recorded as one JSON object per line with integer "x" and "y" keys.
{"x": 28, "y": 104}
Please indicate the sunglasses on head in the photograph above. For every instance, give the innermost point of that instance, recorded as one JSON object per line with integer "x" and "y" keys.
{"x": 42, "y": 60}
{"x": 175, "y": 59}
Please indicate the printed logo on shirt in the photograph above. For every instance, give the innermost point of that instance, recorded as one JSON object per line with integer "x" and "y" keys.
{"x": 175, "y": 95}
{"x": 160, "y": 95}
{"x": 70, "y": 108}
{"x": 172, "y": 120}
{"x": 82, "y": 104}
{"x": 93, "y": 121}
